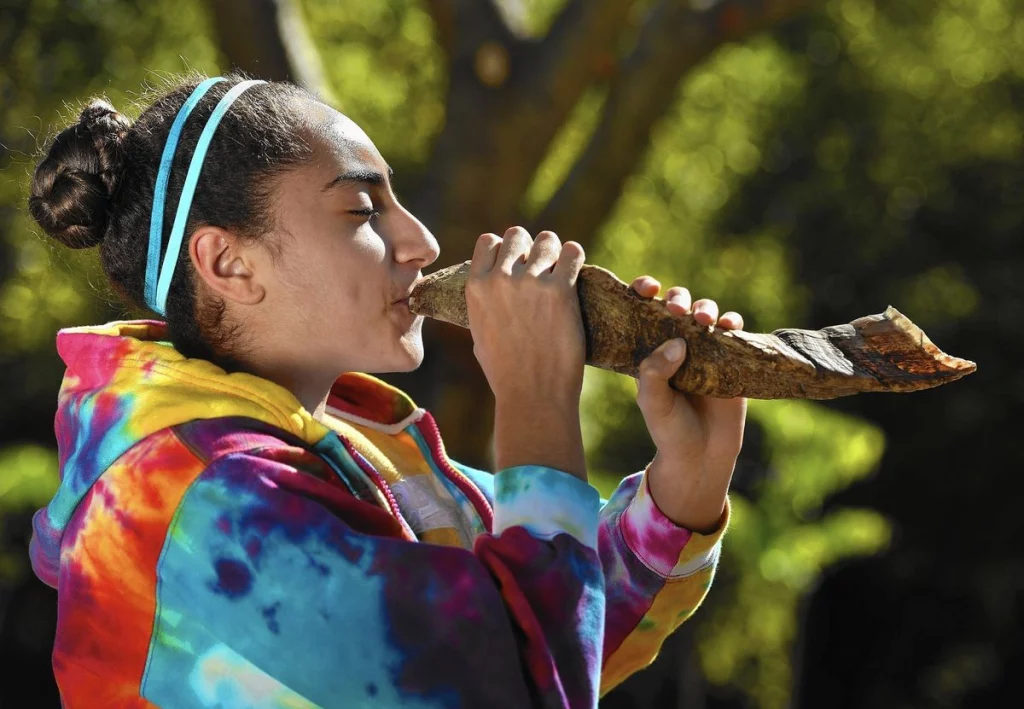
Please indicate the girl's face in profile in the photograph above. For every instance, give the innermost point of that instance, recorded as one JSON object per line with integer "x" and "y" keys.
{"x": 349, "y": 252}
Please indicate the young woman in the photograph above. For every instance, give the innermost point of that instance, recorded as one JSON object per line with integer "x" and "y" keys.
{"x": 245, "y": 519}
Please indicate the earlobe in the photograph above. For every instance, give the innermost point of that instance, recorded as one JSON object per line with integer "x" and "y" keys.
{"x": 226, "y": 265}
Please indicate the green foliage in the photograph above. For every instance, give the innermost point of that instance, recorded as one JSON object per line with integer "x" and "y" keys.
{"x": 54, "y": 56}
{"x": 919, "y": 88}
{"x": 711, "y": 139}
{"x": 939, "y": 70}
{"x": 29, "y": 480}
{"x": 780, "y": 543}
{"x": 64, "y": 54}
{"x": 384, "y": 63}
{"x": 932, "y": 84}
{"x": 58, "y": 56}
{"x": 716, "y": 136}
{"x": 30, "y": 476}
{"x": 567, "y": 146}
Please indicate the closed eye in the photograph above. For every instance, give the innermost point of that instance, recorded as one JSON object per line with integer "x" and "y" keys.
{"x": 368, "y": 213}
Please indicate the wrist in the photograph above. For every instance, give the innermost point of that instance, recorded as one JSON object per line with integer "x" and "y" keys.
{"x": 543, "y": 434}
{"x": 687, "y": 496}
{"x": 561, "y": 401}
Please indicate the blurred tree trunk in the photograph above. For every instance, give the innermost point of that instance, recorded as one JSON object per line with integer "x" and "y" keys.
{"x": 508, "y": 96}
{"x": 268, "y": 38}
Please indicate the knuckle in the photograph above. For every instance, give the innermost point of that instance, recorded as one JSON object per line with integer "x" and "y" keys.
{"x": 646, "y": 368}
{"x": 517, "y": 231}
{"x": 644, "y": 397}
{"x": 477, "y": 283}
{"x": 574, "y": 248}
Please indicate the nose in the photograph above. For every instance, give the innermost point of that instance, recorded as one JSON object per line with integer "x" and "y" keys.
{"x": 412, "y": 241}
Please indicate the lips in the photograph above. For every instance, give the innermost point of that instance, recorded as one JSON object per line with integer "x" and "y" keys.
{"x": 404, "y": 297}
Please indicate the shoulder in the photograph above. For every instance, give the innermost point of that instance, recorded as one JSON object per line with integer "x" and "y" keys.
{"x": 248, "y": 466}
{"x": 212, "y": 440}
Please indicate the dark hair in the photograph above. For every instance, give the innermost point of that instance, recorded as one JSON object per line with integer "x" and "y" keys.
{"x": 95, "y": 186}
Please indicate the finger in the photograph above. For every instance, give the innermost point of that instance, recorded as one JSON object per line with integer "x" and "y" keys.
{"x": 484, "y": 254}
{"x": 654, "y": 395}
{"x": 544, "y": 253}
{"x": 705, "y": 311}
{"x": 731, "y": 321}
{"x": 515, "y": 245}
{"x": 677, "y": 299}
{"x": 647, "y": 286}
{"x": 570, "y": 261}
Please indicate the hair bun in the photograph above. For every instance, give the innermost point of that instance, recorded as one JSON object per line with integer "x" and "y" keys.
{"x": 73, "y": 185}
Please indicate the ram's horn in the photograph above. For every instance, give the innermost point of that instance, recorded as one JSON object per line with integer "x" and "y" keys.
{"x": 885, "y": 352}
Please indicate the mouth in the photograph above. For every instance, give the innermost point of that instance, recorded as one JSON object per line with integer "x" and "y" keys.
{"x": 404, "y": 300}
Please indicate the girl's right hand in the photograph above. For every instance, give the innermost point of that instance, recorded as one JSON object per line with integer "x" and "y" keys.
{"x": 524, "y": 315}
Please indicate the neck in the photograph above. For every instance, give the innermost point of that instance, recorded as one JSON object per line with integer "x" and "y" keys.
{"x": 307, "y": 383}
{"x": 311, "y": 390}
{"x": 319, "y": 409}
{"x": 311, "y": 394}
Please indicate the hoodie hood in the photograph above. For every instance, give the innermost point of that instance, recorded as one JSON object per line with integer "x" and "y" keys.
{"x": 125, "y": 382}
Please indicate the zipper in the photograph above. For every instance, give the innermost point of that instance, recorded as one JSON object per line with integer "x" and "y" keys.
{"x": 377, "y": 480}
{"x": 432, "y": 435}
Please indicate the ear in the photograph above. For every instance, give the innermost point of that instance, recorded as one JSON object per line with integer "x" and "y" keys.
{"x": 227, "y": 265}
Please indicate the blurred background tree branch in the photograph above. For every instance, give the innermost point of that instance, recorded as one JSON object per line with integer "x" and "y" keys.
{"x": 269, "y": 38}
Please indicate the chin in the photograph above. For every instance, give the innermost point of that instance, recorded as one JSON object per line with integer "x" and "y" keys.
{"x": 413, "y": 354}
{"x": 408, "y": 355}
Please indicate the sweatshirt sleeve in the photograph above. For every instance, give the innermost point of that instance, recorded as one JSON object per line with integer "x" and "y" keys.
{"x": 656, "y": 576}
{"x": 656, "y": 573}
{"x": 277, "y": 589}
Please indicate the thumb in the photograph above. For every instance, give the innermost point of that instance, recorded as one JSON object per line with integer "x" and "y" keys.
{"x": 654, "y": 395}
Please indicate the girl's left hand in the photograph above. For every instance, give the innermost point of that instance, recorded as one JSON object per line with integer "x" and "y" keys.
{"x": 698, "y": 437}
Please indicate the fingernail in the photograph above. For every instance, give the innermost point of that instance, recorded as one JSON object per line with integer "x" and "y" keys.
{"x": 674, "y": 350}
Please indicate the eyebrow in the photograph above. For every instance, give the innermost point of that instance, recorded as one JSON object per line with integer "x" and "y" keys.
{"x": 368, "y": 177}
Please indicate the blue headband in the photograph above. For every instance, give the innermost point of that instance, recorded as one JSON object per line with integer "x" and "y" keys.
{"x": 156, "y": 291}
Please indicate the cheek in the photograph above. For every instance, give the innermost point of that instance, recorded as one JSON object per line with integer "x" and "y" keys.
{"x": 346, "y": 278}
{"x": 361, "y": 278}
{"x": 354, "y": 292}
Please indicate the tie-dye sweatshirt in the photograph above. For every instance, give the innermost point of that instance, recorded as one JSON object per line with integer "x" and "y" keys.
{"x": 214, "y": 545}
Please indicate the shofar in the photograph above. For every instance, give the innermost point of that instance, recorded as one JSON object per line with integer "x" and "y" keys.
{"x": 885, "y": 352}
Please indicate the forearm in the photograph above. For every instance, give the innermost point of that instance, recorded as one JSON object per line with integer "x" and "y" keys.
{"x": 545, "y": 434}
{"x": 693, "y": 499}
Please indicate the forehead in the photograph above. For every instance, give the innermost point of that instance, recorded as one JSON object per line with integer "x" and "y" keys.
{"x": 341, "y": 138}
